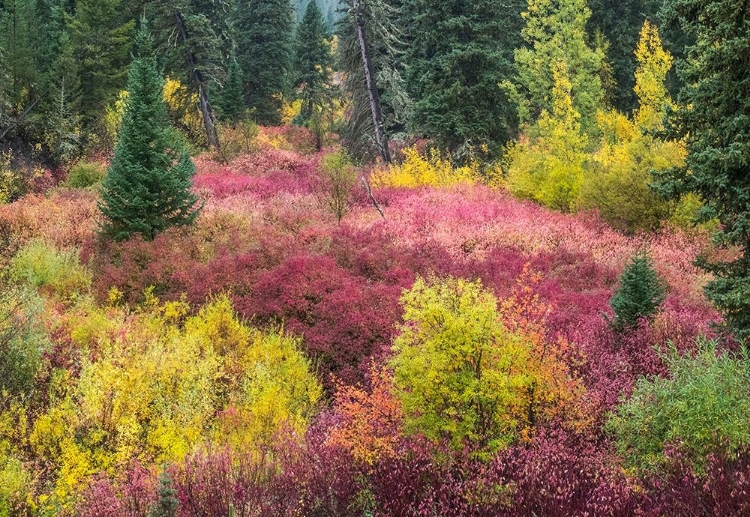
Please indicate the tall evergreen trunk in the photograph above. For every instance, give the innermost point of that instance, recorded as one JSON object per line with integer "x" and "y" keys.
{"x": 381, "y": 137}
{"x": 198, "y": 83}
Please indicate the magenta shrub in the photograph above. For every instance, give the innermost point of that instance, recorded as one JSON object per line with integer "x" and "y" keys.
{"x": 343, "y": 319}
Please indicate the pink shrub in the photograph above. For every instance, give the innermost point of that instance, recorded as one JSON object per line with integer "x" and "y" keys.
{"x": 66, "y": 219}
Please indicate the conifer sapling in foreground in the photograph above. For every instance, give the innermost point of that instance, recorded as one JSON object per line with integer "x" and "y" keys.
{"x": 147, "y": 189}
{"x": 640, "y": 293}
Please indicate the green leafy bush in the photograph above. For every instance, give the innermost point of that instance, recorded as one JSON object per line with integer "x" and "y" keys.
{"x": 702, "y": 405}
{"x": 22, "y": 341}
{"x": 40, "y": 265}
{"x": 85, "y": 175}
{"x": 458, "y": 372}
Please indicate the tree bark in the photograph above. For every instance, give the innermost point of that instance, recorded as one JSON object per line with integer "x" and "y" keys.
{"x": 381, "y": 137}
{"x": 196, "y": 78}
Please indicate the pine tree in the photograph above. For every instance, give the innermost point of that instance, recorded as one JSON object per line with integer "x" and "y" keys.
{"x": 313, "y": 62}
{"x": 556, "y": 31}
{"x": 264, "y": 51}
{"x": 147, "y": 189}
{"x": 714, "y": 120}
{"x": 166, "y": 503}
{"x": 458, "y": 55}
{"x": 640, "y": 293}
{"x": 103, "y": 46}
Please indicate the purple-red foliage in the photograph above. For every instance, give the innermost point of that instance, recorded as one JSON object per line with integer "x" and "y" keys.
{"x": 132, "y": 496}
{"x": 722, "y": 490}
{"x": 554, "y": 476}
{"x": 344, "y": 319}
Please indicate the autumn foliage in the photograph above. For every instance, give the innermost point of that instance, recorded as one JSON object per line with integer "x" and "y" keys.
{"x": 452, "y": 359}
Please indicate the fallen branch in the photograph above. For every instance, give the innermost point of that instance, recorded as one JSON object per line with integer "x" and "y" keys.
{"x": 23, "y": 115}
{"x": 372, "y": 197}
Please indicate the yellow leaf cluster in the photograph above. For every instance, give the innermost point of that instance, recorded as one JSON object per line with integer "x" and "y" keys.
{"x": 417, "y": 170}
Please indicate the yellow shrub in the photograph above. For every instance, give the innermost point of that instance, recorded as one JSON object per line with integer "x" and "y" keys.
{"x": 618, "y": 184}
{"x": 290, "y": 111}
{"x": 163, "y": 384}
{"x": 417, "y": 170}
{"x": 550, "y": 168}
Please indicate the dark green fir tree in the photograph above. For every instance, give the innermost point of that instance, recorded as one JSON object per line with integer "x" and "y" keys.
{"x": 102, "y": 44}
{"x": 231, "y": 100}
{"x": 264, "y": 51}
{"x": 458, "y": 55}
{"x": 147, "y": 188}
{"x": 313, "y": 61}
{"x": 639, "y": 295}
{"x": 714, "y": 120}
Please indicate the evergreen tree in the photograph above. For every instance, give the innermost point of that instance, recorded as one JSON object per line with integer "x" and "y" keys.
{"x": 370, "y": 52}
{"x": 194, "y": 40}
{"x": 231, "y": 101}
{"x": 620, "y": 21}
{"x": 458, "y": 55}
{"x": 313, "y": 62}
{"x": 714, "y": 120}
{"x": 556, "y": 31}
{"x": 639, "y": 295}
{"x": 264, "y": 51}
{"x": 147, "y": 189}
{"x": 103, "y": 46}
{"x": 63, "y": 118}
{"x": 16, "y": 31}
{"x": 166, "y": 503}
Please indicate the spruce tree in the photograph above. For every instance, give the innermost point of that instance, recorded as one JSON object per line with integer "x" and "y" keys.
{"x": 102, "y": 44}
{"x": 313, "y": 62}
{"x": 147, "y": 188}
{"x": 63, "y": 137}
{"x": 370, "y": 57}
{"x": 231, "y": 100}
{"x": 166, "y": 503}
{"x": 639, "y": 295}
{"x": 264, "y": 51}
{"x": 193, "y": 38}
{"x": 458, "y": 55}
{"x": 714, "y": 120}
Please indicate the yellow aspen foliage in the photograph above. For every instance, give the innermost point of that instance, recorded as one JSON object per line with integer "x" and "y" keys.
{"x": 417, "y": 170}
{"x": 654, "y": 63}
{"x": 458, "y": 372}
{"x": 618, "y": 183}
{"x": 549, "y": 168}
{"x": 183, "y": 107}
{"x": 163, "y": 384}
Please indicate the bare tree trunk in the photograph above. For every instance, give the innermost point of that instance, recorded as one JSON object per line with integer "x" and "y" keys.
{"x": 375, "y": 203}
{"x": 381, "y": 137}
{"x": 196, "y": 78}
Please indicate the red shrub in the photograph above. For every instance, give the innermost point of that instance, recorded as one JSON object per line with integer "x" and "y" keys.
{"x": 344, "y": 319}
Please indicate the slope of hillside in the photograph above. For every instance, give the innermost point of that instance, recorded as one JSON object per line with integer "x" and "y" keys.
{"x": 170, "y": 319}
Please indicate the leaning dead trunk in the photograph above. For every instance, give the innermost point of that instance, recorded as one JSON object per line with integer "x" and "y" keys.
{"x": 196, "y": 79}
{"x": 381, "y": 137}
